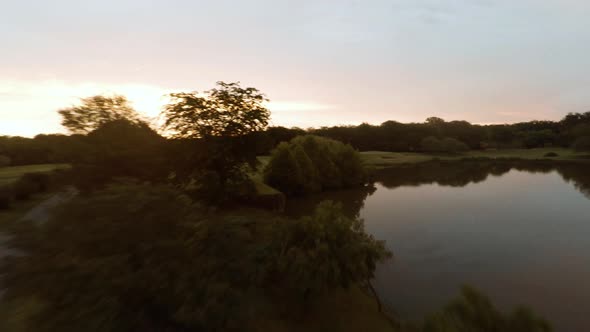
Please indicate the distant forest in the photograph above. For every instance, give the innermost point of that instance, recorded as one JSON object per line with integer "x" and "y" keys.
{"x": 433, "y": 135}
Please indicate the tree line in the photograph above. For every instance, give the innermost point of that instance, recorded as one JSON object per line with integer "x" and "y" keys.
{"x": 434, "y": 135}
{"x": 572, "y": 131}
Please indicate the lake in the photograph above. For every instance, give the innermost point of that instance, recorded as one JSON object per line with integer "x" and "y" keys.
{"x": 520, "y": 232}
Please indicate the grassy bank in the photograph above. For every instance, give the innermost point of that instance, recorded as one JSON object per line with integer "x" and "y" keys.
{"x": 379, "y": 159}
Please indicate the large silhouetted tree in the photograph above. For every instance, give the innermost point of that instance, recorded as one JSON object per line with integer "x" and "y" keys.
{"x": 215, "y": 134}
{"x": 228, "y": 110}
{"x": 95, "y": 111}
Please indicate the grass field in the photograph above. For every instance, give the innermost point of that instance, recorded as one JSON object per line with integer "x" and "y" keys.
{"x": 11, "y": 174}
{"x": 379, "y": 159}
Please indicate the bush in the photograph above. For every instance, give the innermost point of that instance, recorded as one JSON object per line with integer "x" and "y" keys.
{"x": 551, "y": 155}
{"x": 146, "y": 258}
{"x": 311, "y": 164}
{"x": 454, "y": 145}
{"x": 325, "y": 251}
{"x": 433, "y": 144}
{"x": 43, "y": 180}
{"x": 473, "y": 311}
{"x": 24, "y": 188}
{"x": 582, "y": 144}
{"x": 139, "y": 259}
{"x": 6, "y": 196}
{"x": 4, "y": 161}
{"x": 30, "y": 184}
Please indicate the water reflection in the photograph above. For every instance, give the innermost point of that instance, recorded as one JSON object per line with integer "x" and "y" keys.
{"x": 516, "y": 230}
{"x": 352, "y": 200}
{"x": 442, "y": 173}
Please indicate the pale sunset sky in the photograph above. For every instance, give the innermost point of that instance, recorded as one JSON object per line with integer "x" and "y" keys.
{"x": 320, "y": 62}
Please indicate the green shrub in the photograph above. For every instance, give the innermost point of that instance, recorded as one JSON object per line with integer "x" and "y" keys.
{"x": 283, "y": 172}
{"x": 473, "y": 311}
{"x": 551, "y": 155}
{"x": 43, "y": 180}
{"x": 24, "y": 188}
{"x": 325, "y": 251}
{"x": 454, "y": 145}
{"x": 4, "y": 161}
{"x": 582, "y": 144}
{"x": 311, "y": 164}
{"x": 139, "y": 259}
{"x": 6, "y": 196}
{"x": 146, "y": 258}
{"x": 433, "y": 144}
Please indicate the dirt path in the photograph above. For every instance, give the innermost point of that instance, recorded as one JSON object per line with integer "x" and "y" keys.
{"x": 40, "y": 214}
{"x": 37, "y": 215}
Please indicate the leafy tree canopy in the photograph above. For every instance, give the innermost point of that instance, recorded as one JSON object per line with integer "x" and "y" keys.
{"x": 473, "y": 311}
{"x": 215, "y": 146}
{"x": 311, "y": 164}
{"x": 325, "y": 251}
{"x": 228, "y": 110}
{"x": 147, "y": 258}
{"x": 95, "y": 111}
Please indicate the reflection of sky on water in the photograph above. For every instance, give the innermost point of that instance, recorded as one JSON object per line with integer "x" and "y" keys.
{"x": 518, "y": 233}
{"x": 521, "y": 237}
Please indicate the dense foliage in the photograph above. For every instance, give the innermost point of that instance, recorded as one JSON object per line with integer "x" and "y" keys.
{"x": 473, "y": 311}
{"x": 213, "y": 134}
{"x": 228, "y": 110}
{"x": 95, "y": 111}
{"x": 396, "y": 136}
{"x": 146, "y": 258}
{"x": 311, "y": 164}
{"x": 582, "y": 144}
{"x": 121, "y": 148}
{"x": 388, "y": 136}
{"x": 449, "y": 145}
{"x": 26, "y": 186}
{"x": 42, "y": 149}
{"x": 325, "y": 251}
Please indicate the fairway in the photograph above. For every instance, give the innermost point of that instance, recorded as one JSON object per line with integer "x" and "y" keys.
{"x": 11, "y": 174}
{"x": 380, "y": 159}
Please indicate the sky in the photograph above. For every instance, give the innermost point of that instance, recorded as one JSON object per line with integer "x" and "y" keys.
{"x": 320, "y": 62}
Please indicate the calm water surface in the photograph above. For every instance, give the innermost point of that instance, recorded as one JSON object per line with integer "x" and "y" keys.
{"x": 520, "y": 234}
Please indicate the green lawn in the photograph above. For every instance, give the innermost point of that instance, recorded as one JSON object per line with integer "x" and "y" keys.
{"x": 380, "y": 159}
{"x": 11, "y": 174}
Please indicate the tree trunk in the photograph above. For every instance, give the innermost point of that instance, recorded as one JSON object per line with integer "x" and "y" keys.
{"x": 370, "y": 286}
